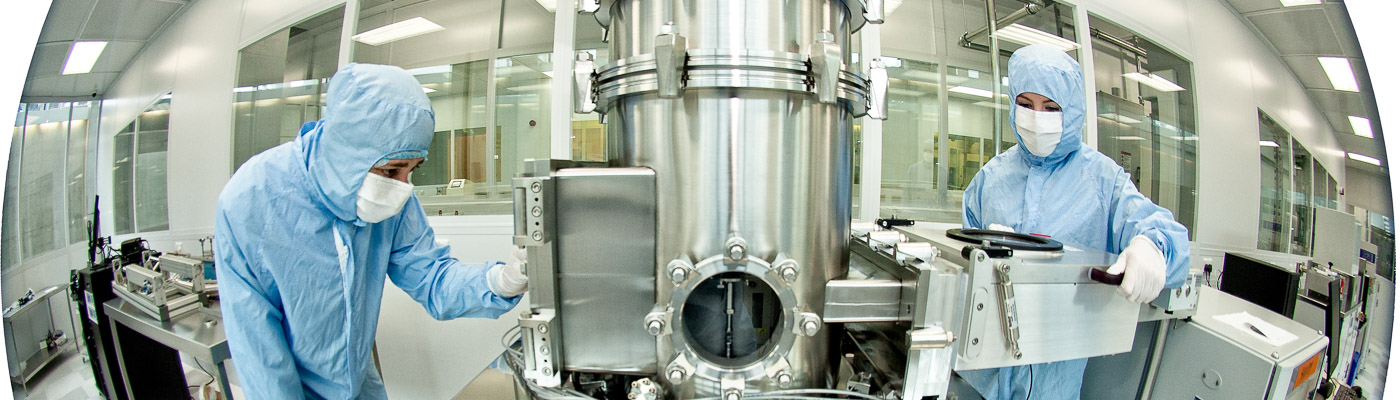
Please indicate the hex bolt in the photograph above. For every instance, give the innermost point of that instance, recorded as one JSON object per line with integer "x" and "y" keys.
{"x": 654, "y": 327}
{"x": 536, "y": 187}
{"x": 537, "y": 235}
{"x": 789, "y": 273}
{"x": 548, "y": 371}
{"x": 981, "y": 257}
{"x": 536, "y": 211}
{"x": 676, "y": 375}
{"x": 810, "y": 327}
{"x": 784, "y": 380}
{"x": 636, "y": 384}
{"x": 544, "y": 349}
{"x": 632, "y": 396}
{"x": 732, "y": 394}
{"x": 544, "y": 328}
{"x": 736, "y": 252}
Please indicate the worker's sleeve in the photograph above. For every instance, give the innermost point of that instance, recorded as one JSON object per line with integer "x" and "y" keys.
{"x": 446, "y": 287}
{"x": 972, "y": 202}
{"x": 253, "y": 321}
{"x": 1132, "y": 214}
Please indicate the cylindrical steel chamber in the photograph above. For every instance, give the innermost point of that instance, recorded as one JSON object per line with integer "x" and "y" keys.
{"x": 744, "y": 110}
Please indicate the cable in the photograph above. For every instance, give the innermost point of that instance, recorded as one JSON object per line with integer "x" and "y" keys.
{"x": 1029, "y": 387}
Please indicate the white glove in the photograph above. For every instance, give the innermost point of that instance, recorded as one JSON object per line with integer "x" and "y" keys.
{"x": 509, "y": 280}
{"x": 1144, "y": 270}
{"x": 1000, "y": 227}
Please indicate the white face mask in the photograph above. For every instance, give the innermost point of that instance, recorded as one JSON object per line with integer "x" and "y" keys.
{"x": 381, "y": 198}
{"x": 1040, "y": 130}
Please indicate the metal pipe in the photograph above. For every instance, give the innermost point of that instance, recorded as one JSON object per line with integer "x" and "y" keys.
{"x": 1154, "y": 361}
{"x": 1096, "y": 33}
{"x": 1029, "y": 9}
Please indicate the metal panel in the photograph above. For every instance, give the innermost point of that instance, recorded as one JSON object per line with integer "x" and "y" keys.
{"x": 1336, "y": 241}
{"x": 606, "y": 230}
{"x": 1207, "y": 358}
{"x": 864, "y": 301}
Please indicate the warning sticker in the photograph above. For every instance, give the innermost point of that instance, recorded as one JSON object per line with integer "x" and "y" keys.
{"x": 1305, "y": 371}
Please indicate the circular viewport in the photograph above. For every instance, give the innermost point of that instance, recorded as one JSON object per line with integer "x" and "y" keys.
{"x": 730, "y": 319}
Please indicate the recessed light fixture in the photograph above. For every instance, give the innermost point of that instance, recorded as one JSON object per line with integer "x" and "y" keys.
{"x": 82, "y": 56}
{"x": 397, "y": 31}
{"x": 1154, "y": 81}
{"x": 1339, "y": 72}
{"x": 1364, "y": 158}
{"x": 1291, "y": 3}
{"x": 1267, "y": 143}
{"x": 1027, "y": 35}
{"x": 1361, "y": 126}
{"x": 971, "y": 91}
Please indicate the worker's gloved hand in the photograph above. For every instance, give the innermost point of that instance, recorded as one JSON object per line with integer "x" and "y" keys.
{"x": 1144, "y": 270}
{"x": 1000, "y": 227}
{"x": 509, "y": 280}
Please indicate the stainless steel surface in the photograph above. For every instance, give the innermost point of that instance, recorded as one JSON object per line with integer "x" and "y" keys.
{"x": 1208, "y": 358}
{"x": 606, "y": 222}
{"x": 27, "y": 330}
{"x": 1154, "y": 361}
{"x": 867, "y": 300}
{"x": 1060, "y": 314}
{"x": 198, "y": 334}
{"x": 752, "y": 162}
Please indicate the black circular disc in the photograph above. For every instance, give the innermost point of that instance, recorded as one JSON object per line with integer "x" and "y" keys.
{"x": 1012, "y": 240}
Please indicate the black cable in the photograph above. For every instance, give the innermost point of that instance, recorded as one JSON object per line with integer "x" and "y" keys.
{"x": 1031, "y": 371}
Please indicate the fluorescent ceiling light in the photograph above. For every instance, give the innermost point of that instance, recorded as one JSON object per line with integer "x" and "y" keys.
{"x": 972, "y": 91}
{"x": 437, "y": 69}
{"x": 1361, "y": 126}
{"x": 1364, "y": 158}
{"x": 1268, "y": 143}
{"x": 989, "y": 104}
{"x": 1339, "y": 72}
{"x": 1154, "y": 81}
{"x": 1130, "y": 138}
{"x": 82, "y": 56}
{"x": 1026, "y": 35}
{"x": 244, "y": 89}
{"x": 549, "y": 5}
{"x": 1291, "y": 3}
{"x": 397, "y": 31}
{"x": 429, "y": 90}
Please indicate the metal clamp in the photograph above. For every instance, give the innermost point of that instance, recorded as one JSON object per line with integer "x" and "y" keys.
{"x": 670, "y": 62}
{"x": 825, "y": 62}
{"x": 534, "y": 201}
{"x": 585, "y": 101}
{"x": 875, "y": 11}
{"x": 541, "y": 354}
{"x": 587, "y": 6}
{"x": 910, "y": 253}
{"x": 879, "y": 100}
{"x": 1008, "y": 309}
{"x": 930, "y": 338}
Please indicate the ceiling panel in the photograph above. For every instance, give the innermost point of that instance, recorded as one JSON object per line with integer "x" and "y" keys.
{"x": 1341, "y": 101}
{"x": 1304, "y": 30}
{"x": 65, "y": 20}
{"x": 128, "y": 19}
{"x": 1309, "y": 71}
{"x": 1341, "y": 25}
{"x": 48, "y": 60}
{"x": 1249, "y": 6}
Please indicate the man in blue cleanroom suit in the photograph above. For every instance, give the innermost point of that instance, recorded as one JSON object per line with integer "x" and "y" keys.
{"x": 1053, "y": 184}
{"x": 307, "y": 232}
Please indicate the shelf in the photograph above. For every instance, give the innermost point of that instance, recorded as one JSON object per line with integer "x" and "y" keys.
{"x": 38, "y": 361}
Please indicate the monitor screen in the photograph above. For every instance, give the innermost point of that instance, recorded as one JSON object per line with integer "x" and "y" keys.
{"x": 1261, "y": 283}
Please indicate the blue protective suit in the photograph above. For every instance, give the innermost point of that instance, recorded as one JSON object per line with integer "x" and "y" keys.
{"x": 301, "y": 277}
{"x": 1075, "y": 195}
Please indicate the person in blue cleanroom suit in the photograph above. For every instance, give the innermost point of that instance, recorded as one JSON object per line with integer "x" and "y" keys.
{"x": 1053, "y": 184}
{"x": 307, "y": 232}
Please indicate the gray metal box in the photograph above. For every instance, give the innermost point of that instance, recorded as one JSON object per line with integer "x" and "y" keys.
{"x": 605, "y": 225}
{"x": 1206, "y": 358}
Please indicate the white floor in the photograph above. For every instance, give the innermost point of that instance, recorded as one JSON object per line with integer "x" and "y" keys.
{"x": 70, "y": 378}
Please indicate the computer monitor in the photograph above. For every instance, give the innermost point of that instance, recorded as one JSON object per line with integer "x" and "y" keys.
{"x": 1261, "y": 283}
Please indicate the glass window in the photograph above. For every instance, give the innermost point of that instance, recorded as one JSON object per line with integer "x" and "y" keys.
{"x": 522, "y": 114}
{"x": 1300, "y": 237}
{"x": 461, "y": 160}
{"x": 1148, "y": 128}
{"x": 282, "y": 82}
{"x": 45, "y": 188}
{"x": 138, "y": 174}
{"x": 1275, "y": 185}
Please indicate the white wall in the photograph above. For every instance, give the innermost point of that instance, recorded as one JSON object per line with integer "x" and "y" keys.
{"x": 1237, "y": 74}
{"x": 1369, "y": 190}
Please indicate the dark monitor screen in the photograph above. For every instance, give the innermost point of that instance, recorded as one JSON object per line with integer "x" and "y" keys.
{"x": 1261, "y": 283}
